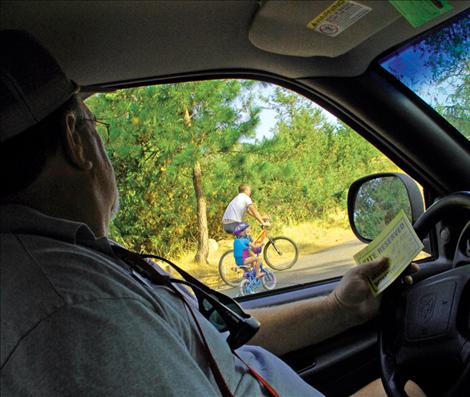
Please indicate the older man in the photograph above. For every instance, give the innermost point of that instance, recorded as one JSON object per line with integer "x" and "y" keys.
{"x": 77, "y": 319}
{"x": 238, "y": 207}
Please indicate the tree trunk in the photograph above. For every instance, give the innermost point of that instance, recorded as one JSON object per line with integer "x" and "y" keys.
{"x": 203, "y": 235}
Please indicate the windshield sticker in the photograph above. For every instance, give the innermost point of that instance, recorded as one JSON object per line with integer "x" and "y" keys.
{"x": 338, "y": 17}
{"x": 399, "y": 243}
{"x": 418, "y": 12}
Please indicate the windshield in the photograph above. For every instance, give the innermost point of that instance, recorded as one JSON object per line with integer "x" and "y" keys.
{"x": 436, "y": 68}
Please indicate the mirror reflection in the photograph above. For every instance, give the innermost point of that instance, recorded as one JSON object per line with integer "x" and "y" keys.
{"x": 377, "y": 203}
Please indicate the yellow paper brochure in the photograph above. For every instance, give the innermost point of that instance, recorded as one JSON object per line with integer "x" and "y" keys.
{"x": 399, "y": 243}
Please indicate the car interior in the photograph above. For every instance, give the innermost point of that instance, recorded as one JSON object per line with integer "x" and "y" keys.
{"x": 423, "y": 331}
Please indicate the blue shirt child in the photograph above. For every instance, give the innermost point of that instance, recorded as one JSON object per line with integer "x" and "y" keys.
{"x": 241, "y": 249}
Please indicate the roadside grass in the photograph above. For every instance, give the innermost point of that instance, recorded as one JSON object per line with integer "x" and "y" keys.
{"x": 310, "y": 237}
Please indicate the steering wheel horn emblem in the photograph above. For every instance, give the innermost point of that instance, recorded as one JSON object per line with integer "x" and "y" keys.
{"x": 426, "y": 307}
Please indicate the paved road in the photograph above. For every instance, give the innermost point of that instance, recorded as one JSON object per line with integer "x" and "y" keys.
{"x": 327, "y": 263}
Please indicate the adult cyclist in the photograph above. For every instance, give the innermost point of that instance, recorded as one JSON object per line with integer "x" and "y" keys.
{"x": 238, "y": 207}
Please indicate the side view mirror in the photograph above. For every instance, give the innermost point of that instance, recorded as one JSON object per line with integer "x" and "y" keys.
{"x": 373, "y": 201}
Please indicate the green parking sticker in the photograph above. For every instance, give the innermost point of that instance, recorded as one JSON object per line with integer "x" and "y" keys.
{"x": 418, "y": 12}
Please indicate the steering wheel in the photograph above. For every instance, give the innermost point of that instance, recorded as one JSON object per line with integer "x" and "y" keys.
{"x": 425, "y": 329}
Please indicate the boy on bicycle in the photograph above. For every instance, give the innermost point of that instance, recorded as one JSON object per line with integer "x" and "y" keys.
{"x": 244, "y": 249}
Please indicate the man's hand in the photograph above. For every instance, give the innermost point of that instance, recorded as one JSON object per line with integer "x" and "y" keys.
{"x": 353, "y": 292}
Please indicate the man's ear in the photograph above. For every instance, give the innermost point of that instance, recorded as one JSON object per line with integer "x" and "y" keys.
{"x": 75, "y": 148}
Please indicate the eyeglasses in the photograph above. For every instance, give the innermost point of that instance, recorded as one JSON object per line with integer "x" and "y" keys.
{"x": 102, "y": 128}
{"x": 222, "y": 311}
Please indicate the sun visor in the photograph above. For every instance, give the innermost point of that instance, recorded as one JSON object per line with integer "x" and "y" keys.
{"x": 318, "y": 28}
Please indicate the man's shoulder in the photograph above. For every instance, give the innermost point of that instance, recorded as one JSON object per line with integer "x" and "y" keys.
{"x": 27, "y": 296}
{"x": 244, "y": 198}
{"x": 70, "y": 271}
{"x": 41, "y": 275}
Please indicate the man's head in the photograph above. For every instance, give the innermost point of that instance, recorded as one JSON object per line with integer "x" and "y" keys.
{"x": 244, "y": 189}
{"x": 23, "y": 157}
{"x": 51, "y": 156}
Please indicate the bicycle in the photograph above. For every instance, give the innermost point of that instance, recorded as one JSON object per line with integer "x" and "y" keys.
{"x": 251, "y": 283}
{"x": 279, "y": 253}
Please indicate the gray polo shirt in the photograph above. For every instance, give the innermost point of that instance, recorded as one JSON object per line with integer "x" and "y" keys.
{"x": 74, "y": 322}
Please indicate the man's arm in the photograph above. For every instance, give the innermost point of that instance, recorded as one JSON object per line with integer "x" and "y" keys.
{"x": 255, "y": 214}
{"x": 299, "y": 324}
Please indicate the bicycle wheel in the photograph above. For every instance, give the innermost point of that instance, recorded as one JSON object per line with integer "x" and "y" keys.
{"x": 229, "y": 271}
{"x": 281, "y": 253}
{"x": 246, "y": 288}
{"x": 269, "y": 280}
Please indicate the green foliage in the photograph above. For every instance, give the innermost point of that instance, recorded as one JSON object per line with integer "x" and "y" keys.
{"x": 302, "y": 173}
{"x": 157, "y": 134}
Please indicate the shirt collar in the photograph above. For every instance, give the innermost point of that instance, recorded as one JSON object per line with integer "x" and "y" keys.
{"x": 18, "y": 219}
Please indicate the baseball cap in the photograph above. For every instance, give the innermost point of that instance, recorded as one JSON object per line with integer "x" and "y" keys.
{"x": 32, "y": 83}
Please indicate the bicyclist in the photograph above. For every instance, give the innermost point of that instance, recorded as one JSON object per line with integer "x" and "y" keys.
{"x": 237, "y": 209}
{"x": 244, "y": 249}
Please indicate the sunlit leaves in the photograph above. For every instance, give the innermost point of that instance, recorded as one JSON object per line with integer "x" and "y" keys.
{"x": 301, "y": 173}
